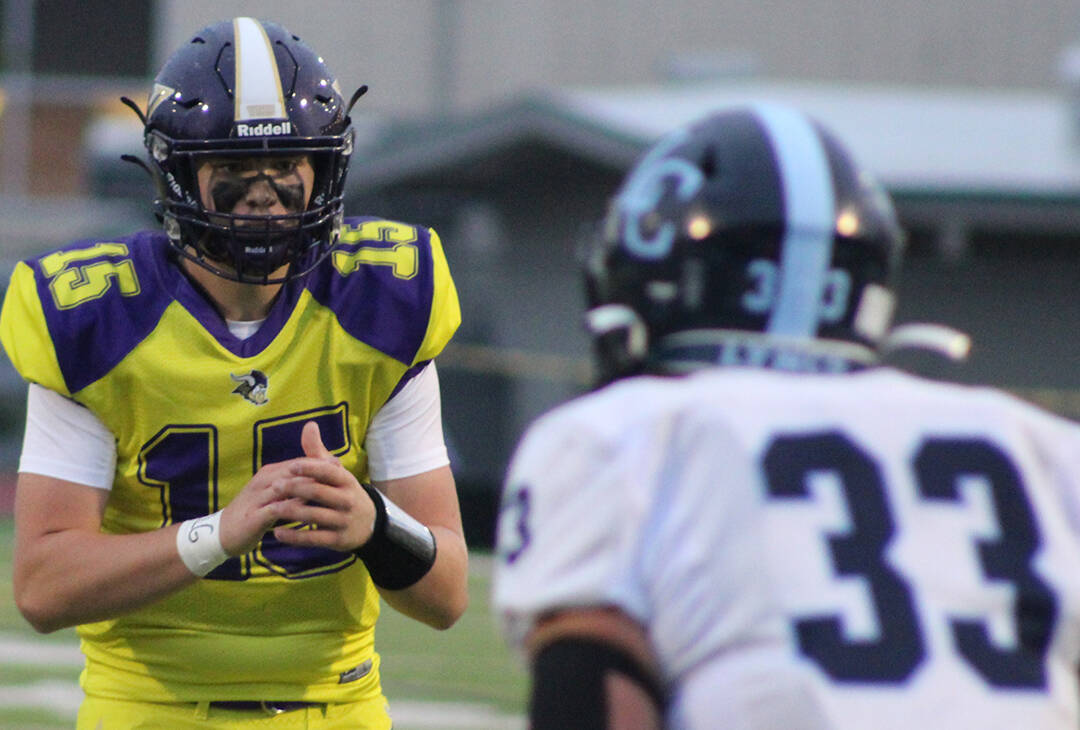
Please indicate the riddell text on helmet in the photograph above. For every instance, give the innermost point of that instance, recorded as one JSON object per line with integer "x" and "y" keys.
{"x": 263, "y": 129}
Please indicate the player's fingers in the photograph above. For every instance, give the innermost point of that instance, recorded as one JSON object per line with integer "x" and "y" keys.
{"x": 243, "y": 526}
{"x": 308, "y": 537}
{"x": 321, "y": 470}
{"x": 310, "y": 490}
{"x": 269, "y": 472}
{"x": 266, "y": 516}
{"x": 312, "y": 443}
{"x": 326, "y": 519}
{"x": 268, "y": 493}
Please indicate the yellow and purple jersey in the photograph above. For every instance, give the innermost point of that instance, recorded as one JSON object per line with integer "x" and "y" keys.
{"x": 116, "y": 326}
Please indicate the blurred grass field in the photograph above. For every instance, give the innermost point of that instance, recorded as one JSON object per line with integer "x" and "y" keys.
{"x": 461, "y": 679}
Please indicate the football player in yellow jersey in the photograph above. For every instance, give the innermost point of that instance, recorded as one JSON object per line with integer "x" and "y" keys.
{"x": 234, "y": 442}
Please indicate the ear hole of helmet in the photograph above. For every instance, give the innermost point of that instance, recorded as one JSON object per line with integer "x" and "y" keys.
{"x": 620, "y": 340}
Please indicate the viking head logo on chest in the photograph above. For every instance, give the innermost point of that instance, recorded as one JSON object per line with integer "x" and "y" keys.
{"x": 252, "y": 386}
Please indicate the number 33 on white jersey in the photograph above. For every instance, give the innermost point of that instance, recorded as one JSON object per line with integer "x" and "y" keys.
{"x": 835, "y": 551}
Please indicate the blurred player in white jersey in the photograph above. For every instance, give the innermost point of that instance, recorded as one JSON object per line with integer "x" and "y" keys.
{"x": 755, "y": 523}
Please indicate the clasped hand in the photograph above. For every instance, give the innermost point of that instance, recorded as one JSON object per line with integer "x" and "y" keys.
{"x": 314, "y": 489}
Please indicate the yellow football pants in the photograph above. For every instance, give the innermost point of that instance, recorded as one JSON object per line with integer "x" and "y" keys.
{"x": 104, "y": 714}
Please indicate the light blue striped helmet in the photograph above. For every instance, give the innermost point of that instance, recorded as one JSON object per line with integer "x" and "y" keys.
{"x": 750, "y": 237}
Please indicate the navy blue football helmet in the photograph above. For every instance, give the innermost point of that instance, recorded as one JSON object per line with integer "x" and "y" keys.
{"x": 247, "y": 88}
{"x": 750, "y": 237}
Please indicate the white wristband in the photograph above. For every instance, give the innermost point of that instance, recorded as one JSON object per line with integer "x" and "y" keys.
{"x": 199, "y": 543}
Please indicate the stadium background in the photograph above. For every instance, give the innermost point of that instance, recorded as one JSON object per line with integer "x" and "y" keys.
{"x": 507, "y": 124}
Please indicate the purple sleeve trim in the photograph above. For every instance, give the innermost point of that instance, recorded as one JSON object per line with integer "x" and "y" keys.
{"x": 408, "y": 375}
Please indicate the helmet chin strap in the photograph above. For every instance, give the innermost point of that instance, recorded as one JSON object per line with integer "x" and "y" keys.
{"x": 233, "y": 249}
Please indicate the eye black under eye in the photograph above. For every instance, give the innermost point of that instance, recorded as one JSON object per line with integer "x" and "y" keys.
{"x": 227, "y": 193}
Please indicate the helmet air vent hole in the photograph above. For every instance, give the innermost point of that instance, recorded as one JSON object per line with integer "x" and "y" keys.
{"x": 708, "y": 162}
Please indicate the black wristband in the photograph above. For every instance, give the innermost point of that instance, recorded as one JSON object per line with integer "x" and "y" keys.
{"x": 400, "y": 550}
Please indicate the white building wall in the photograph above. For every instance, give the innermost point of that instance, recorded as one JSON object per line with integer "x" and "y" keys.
{"x": 416, "y": 54}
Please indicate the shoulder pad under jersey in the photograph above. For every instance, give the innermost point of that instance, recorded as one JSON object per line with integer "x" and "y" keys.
{"x": 390, "y": 287}
{"x": 71, "y": 315}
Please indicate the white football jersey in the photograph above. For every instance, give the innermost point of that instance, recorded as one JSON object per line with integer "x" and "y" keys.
{"x": 812, "y": 551}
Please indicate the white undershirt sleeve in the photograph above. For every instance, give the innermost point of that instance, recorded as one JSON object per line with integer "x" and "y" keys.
{"x": 405, "y": 436}
{"x": 65, "y": 440}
